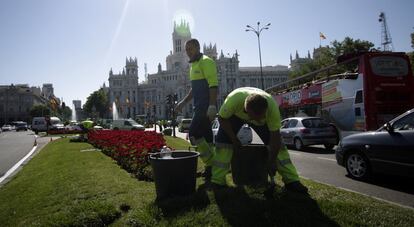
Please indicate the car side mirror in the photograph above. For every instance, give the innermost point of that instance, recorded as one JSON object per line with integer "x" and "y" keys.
{"x": 389, "y": 127}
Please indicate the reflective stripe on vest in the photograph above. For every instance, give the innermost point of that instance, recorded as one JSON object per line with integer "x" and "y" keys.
{"x": 285, "y": 162}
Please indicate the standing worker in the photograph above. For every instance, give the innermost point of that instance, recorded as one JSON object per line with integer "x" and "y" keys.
{"x": 203, "y": 77}
{"x": 258, "y": 109}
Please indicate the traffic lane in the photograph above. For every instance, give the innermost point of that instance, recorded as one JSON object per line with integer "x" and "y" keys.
{"x": 13, "y": 147}
{"x": 322, "y": 167}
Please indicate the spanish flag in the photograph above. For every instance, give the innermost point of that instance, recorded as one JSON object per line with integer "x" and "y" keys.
{"x": 322, "y": 36}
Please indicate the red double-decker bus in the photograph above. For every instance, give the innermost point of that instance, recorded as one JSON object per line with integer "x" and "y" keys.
{"x": 380, "y": 89}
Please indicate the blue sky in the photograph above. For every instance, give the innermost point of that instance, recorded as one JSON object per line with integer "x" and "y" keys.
{"x": 74, "y": 43}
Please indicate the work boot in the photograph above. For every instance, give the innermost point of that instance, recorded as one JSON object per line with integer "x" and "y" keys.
{"x": 296, "y": 187}
{"x": 207, "y": 174}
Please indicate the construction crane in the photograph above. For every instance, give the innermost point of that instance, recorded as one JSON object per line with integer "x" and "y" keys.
{"x": 386, "y": 40}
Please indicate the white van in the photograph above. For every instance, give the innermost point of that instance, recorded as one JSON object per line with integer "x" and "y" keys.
{"x": 39, "y": 124}
{"x": 126, "y": 124}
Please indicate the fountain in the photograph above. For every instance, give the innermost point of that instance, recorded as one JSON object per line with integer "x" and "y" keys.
{"x": 114, "y": 112}
{"x": 74, "y": 118}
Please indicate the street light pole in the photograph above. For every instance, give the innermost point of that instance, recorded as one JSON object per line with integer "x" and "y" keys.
{"x": 258, "y": 31}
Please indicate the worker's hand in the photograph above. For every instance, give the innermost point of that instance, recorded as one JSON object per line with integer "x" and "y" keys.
{"x": 211, "y": 112}
{"x": 179, "y": 106}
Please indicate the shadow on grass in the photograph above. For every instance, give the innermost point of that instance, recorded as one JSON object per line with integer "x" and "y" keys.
{"x": 171, "y": 207}
{"x": 253, "y": 208}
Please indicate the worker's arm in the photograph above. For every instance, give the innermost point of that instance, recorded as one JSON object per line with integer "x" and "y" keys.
{"x": 212, "y": 109}
{"x": 210, "y": 73}
{"x": 182, "y": 103}
{"x": 226, "y": 126}
{"x": 213, "y": 96}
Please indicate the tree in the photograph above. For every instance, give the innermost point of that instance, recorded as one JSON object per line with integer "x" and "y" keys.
{"x": 65, "y": 113}
{"x": 325, "y": 56}
{"x": 39, "y": 111}
{"x": 348, "y": 45}
{"x": 99, "y": 100}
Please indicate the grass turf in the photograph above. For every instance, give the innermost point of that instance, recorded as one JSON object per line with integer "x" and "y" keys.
{"x": 68, "y": 185}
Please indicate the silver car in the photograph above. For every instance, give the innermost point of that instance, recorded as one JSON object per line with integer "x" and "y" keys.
{"x": 304, "y": 131}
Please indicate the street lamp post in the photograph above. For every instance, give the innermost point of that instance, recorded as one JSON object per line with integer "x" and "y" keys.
{"x": 257, "y": 32}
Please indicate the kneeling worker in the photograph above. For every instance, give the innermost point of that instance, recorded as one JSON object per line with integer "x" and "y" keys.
{"x": 258, "y": 109}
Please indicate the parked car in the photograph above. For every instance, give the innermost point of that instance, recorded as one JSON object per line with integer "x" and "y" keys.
{"x": 21, "y": 126}
{"x": 6, "y": 128}
{"x": 245, "y": 134}
{"x": 73, "y": 126}
{"x": 388, "y": 150}
{"x": 305, "y": 131}
{"x": 126, "y": 124}
{"x": 184, "y": 124}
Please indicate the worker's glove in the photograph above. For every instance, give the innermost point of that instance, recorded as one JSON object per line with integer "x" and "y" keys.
{"x": 211, "y": 112}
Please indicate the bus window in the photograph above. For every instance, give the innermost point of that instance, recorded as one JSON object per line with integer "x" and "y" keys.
{"x": 358, "y": 97}
{"x": 390, "y": 66}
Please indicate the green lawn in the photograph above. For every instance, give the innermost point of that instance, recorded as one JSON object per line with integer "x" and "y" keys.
{"x": 66, "y": 186}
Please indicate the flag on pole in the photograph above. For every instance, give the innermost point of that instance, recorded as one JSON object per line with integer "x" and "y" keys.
{"x": 322, "y": 36}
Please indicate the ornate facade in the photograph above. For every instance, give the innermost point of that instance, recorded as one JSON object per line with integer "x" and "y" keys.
{"x": 133, "y": 98}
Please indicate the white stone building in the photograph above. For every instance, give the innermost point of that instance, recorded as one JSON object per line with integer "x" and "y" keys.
{"x": 133, "y": 98}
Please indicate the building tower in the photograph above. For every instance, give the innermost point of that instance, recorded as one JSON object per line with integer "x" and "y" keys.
{"x": 131, "y": 66}
{"x": 178, "y": 58}
{"x": 210, "y": 51}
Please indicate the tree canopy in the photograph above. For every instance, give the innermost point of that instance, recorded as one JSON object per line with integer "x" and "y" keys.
{"x": 99, "y": 100}
{"x": 39, "y": 111}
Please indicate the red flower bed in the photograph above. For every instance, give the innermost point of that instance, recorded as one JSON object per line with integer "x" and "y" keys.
{"x": 129, "y": 148}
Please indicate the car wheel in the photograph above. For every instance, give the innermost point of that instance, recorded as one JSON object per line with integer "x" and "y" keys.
{"x": 357, "y": 166}
{"x": 298, "y": 144}
{"x": 329, "y": 147}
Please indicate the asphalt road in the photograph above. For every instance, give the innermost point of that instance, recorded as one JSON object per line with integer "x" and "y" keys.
{"x": 13, "y": 147}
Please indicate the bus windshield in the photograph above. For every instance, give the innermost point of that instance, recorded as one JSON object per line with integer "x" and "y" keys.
{"x": 389, "y": 66}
